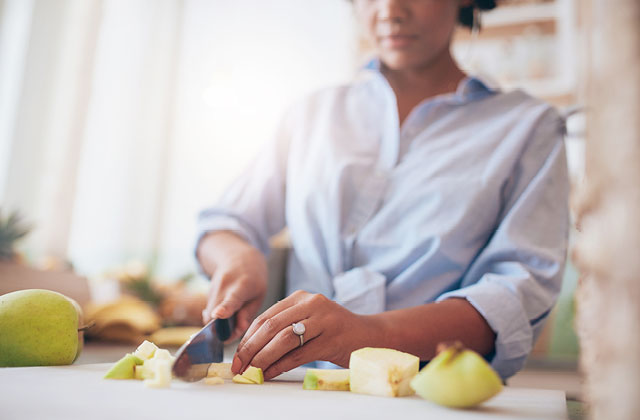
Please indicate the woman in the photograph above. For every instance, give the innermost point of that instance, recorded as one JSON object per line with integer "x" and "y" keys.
{"x": 423, "y": 206}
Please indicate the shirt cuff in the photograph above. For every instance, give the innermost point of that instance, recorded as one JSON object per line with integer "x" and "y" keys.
{"x": 503, "y": 311}
{"x": 220, "y": 223}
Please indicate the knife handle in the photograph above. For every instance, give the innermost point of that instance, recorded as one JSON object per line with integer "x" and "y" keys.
{"x": 224, "y": 328}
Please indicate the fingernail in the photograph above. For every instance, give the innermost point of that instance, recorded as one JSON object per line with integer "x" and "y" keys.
{"x": 236, "y": 365}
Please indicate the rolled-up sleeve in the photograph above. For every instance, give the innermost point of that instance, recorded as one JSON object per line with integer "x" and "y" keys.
{"x": 515, "y": 279}
{"x": 253, "y": 206}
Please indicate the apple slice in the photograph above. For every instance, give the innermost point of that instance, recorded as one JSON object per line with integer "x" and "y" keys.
{"x": 124, "y": 368}
{"x": 383, "y": 372}
{"x": 222, "y": 370}
{"x": 252, "y": 375}
{"x": 326, "y": 379}
{"x": 239, "y": 379}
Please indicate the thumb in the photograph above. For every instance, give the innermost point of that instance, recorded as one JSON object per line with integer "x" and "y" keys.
{"x": 229, "y": 306}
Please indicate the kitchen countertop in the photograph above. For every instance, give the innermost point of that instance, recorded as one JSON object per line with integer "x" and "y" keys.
{"x": 78, "y": 391}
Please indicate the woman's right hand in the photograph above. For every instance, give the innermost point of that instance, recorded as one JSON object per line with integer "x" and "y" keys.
{"x": 238, "y": 282}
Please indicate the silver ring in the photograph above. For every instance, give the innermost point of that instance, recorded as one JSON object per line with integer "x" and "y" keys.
{"x": 299, "y": 330}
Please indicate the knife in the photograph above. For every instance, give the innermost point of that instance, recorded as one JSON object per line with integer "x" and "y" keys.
{"x": 202, "y": 349}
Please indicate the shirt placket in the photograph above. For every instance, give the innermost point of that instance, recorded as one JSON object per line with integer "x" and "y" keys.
{"x": 372, "y": 192}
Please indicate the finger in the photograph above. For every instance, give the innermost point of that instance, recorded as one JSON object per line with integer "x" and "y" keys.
{"x": 252, "y": 344}
{"x": 275, "y": 309}
{"x": 244, "y": 316}
{"x": 309, "y": 352}
{"x": 211, "y": 303}
{"x": 284, "y": 342}
{"x": 206, "y": 316}
{"x": 229, "y": 306}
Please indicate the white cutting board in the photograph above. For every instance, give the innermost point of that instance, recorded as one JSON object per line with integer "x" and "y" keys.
{"x": 79, "y": 392}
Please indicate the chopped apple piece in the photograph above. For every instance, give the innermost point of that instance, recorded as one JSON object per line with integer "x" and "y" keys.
{"x": 326, "y": 379}
{"x": 145, "y": 350}
{"x": 162, "y": 354}
{"x": 161, "y": 374}
{"x": 138, "y": 372}
{"x": 147, "y": 370}
{"x": 457, "y": 377}
{"x": 123, "y": 368}
{"x": 215, "y": 380}
{"x": 254, "y": 374}
{"x": 239, "y": 379}
{"x": 222, "y": 370}
{"x": 383, "y": 372}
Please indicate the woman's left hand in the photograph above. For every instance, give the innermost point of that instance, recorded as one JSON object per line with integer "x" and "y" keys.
{"x": 332, "y": 333}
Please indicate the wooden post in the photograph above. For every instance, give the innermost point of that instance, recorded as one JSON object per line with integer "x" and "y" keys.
{"x": 608, "y": 210}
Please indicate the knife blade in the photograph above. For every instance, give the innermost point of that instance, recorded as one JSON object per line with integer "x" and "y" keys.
{"x": 203, "y": 348}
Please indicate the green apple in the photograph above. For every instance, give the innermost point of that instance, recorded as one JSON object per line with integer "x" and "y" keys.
{"x": 124, "y": 368}
{"x": 81, "y": 327}
{"x": 252, "y": 375}
{"x": 326, "y": 379}
{"x": 457, "y": 377}
{"x": 384, "y": 372}
{"x": 38, "y": 328}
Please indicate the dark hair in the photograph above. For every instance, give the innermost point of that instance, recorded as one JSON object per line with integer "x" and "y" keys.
{"x": 466, "y": 16}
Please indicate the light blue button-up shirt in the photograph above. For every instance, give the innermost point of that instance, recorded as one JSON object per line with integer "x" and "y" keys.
{"x": 467, "y": 198}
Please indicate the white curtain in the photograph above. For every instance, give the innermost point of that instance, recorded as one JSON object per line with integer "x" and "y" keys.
{"x": 119, "y": 120}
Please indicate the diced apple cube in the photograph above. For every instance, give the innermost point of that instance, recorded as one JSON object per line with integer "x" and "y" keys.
{"x": 163, "y": 354}
{"x": 161, "y": 374}
{"x": 138, "y": 372}
{"x": 145, "y": 350}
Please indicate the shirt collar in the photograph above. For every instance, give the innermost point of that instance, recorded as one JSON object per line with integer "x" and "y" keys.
{"x": 470, "y": 88}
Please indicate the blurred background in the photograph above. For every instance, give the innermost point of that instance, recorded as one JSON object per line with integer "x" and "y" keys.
{"x": 120, "y": 120}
